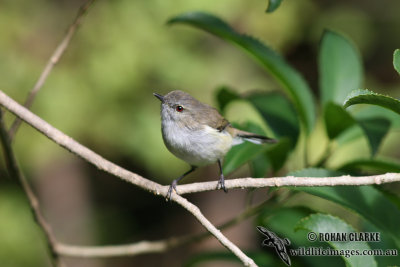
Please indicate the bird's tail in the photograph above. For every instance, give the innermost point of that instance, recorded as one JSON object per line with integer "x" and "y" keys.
{"x": 253, "y": 138}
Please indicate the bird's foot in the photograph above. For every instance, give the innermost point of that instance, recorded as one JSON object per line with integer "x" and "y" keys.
{"x": 221, "y": 184}
{"x": 171, "y": 187}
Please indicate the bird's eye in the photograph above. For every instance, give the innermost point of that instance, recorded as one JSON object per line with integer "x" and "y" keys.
{"x": 179, "y": 108}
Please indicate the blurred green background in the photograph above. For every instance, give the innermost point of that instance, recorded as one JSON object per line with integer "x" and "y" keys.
{"x": 101, "y": 95}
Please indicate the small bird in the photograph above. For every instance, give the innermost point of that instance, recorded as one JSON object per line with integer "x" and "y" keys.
{"x": 198, "y": 134}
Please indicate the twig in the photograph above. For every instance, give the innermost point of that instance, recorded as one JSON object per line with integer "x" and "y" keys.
{"x": 55, "y": 57}
{"x": 147, "y": 247}
{"x": 67, "y": 142}
{"x": 107, "y": 166}
{"x": 290, "y": 181}
{"x": 15, "y": 172}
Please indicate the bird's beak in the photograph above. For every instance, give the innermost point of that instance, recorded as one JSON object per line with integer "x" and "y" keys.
{"x": 159, "y": 97}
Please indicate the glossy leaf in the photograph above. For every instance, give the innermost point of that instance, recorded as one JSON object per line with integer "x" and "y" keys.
{"x": 224, "y": 96}
{"x": 375, "y": 130}
{"x": 260, "y": 165}
{"x": 322, "y": 223}
{"x": 370, "y": 111}
{"x": 367, "y": 201}
{"x": 278, "y": 153}
{"x": 340, "y": 68}
{"x": 337, "y": 120}
{"x": 374, "y": 165}
{"x": 351, "y": 134}
{"x": 240, "y": 154}
{"x": 278, "y": 113}
{"x": 367, "y": 112}
{"x": 282, "y": 221}
{"x": 396, "y": 60}
{"x": 291, "y": 80}
{"x": 384, "y": 243}
{"x": 362, "y": 96}
{"x": 275, "y": 109}
{"x": 274, "y": 157}
{"x": 273, "y": 5}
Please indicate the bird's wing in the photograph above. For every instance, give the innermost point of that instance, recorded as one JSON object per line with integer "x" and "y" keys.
{"x": 211, "y": 117}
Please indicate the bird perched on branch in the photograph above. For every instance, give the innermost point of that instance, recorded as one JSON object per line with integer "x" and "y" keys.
{"x": 198, "y": 134}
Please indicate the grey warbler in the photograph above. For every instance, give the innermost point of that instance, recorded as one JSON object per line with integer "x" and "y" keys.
{"x": 198, "y": 134}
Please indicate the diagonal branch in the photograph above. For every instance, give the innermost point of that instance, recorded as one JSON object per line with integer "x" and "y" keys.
{"x": 155, "y": 188}
{"x": 15, "y": 172}
{"x": 147, "y": 247}
{"x": 68, "y": 143}
{"x": 55, "y": 57}
{"x": 102, "y": 164}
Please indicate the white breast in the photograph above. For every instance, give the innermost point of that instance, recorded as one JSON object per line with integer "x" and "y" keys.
{"x": 197, "y": 147}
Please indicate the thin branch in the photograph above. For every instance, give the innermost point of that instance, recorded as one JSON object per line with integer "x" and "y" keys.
{"x": 107, "y": 166}
{"x": 15, "y": 172}
{"x": 147, "y": 247}
{"x": 68, "y": 143}
{"x": 243, "y": 183}
{"x": 53, "y": 60}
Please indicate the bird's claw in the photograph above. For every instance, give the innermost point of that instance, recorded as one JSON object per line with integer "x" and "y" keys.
{"x": 171, "y": 187}
{"x": 221, "y": 184}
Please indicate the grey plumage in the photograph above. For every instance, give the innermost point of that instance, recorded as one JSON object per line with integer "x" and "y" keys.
{"x": 196, "y": 133}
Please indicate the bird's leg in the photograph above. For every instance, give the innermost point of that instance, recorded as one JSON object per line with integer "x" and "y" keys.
{"x": 175, "y": 182}
{"x": 221, "y": 178}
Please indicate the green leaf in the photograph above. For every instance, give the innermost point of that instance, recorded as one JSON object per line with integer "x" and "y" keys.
{"x": 396, "y": 60}
{"x": 274, "y": 157}
{"x": 240, "y": 154}
{"x": 340, "y": 68}
{"x": 282, "y": 221}
{"x": 291, "y": 80}
{"x": 370, "y": 165}
{"x": 362, "y": 96}
{"x": 273, "y": 5}
{"x": 278, "y": 153}
{"x": 370, "y": 111}
{"x": 367, "y": 201}
{"x": 385, "y": 243}
{"x": 322, "y": 223}
{"x": 367, "y": 112}
{"x": 351, "y": 134}
{"x": 279, "y": 114}
{"x": 375, "y": 130}
{"x": 337, "y": 120}
{"x": 225, "y": 95}
{"x": 275, "y": 109}
{"x": 260, "y": 165}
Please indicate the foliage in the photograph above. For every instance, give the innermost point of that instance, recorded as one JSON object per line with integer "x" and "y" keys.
{"x": 291, "y": 113}
{"x": 273, "y": 5}
{"x": 111, "y": 87}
